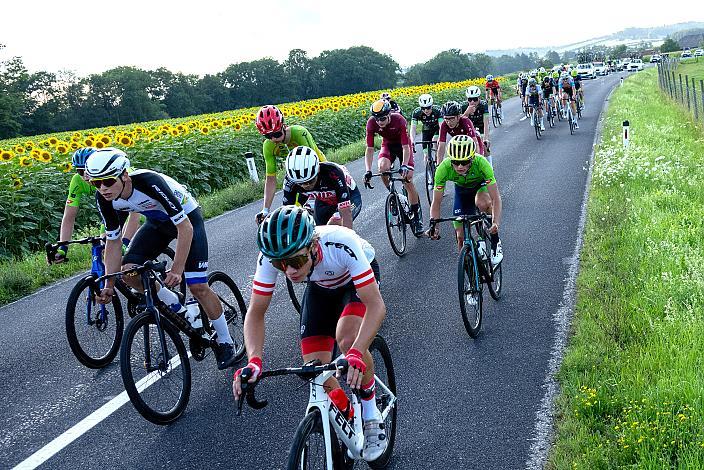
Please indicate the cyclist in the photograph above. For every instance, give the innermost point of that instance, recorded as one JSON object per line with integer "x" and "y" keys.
{"x": 541, "y": 74}
{"x": 454, "y": 124}
{"x": 429, "y": 115}
{"x": 341, "y": 303}
{"x": 493, "y": 90}
{"x": 395, "y": 144}
{"x": 280, "y": 139}
{"x": 327, "y": 188}
{"x": 578, "y": 84}
{"x": 548, "y": 90}
{"x": 533, "y": 98}
{"x": 171, "y": 213}
{"x": 477, "y": 110}
{"x": 567, "y": 88}
{"x": 475, "y": 187}
{"x": 79, "y": 187}
{"x": 395, "y": 108}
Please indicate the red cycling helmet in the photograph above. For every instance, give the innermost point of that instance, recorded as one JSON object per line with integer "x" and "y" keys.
{"x": 269, "y": 119}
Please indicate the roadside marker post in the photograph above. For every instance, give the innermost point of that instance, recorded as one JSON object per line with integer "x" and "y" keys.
{"x": 626, "y": 133}
{"x": 249, "y": 156}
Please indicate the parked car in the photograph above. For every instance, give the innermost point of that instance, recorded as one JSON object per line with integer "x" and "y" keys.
{"x": 600, "y": 68}
{"x": 586, "y": 70}
{"x": 655, "y": 58}
{"x": 699, "y": 53}
{"x": 686, "y": 53}
{"x": 635, "y": 65}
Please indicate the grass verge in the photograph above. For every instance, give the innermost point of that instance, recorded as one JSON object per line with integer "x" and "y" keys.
{"x": 631, "y": 380}
{"x": 20, "y": 278}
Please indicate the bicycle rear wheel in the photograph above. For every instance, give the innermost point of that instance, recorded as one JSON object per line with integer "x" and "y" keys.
{"x": 429, "y": 179}
{"x": 93, "y": 331}
{"x": 536, "y": 124}
{"x": 570, "y": 118}
{"x": 496, "y": 282}
{"x": 470, "y": 291}
{"x": 395, "y": 224}
{"x": 308, "y": 448}
{"x": 384, "y": 371}
{"x": 494, "y": 116}
{"x": 579, "y": 109}
{"x": 157, "y": 382}
{"x": 233, "y": 306}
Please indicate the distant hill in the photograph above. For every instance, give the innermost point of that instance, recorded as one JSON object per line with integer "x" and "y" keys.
{"x": 628, "y": 36}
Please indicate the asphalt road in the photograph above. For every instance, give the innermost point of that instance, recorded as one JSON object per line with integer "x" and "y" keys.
{"x": 463, "y": 403}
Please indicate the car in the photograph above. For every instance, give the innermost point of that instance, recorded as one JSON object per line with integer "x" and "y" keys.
{"x": 586, "y": 70}
{"x": 686, "y": 53}
{"x": 600, "y": 68}
{"x": 655, "y": 58}
{"x": 635, "y": 65}
{"x": 699, "y": 53}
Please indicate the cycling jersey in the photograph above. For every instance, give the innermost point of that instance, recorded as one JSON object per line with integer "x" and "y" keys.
{"x": 431, "y": 121}
{"x": 333, "y": 188}
{"x": 566, "y": 84}
{"x": 547, "y": 87}
{"x": 299, "y": 136}
{"x": 477, "y": 117}
{"x": 524, "y": 84}
{"x": 342, "y": 256}
{"x": 158, "y": 197}
{"x": 463, "y": 127}
{"x": 78, "y": 188}
{"x": 480, "y": 173}
{"x": 395, "y": 132}
{"x": 493, "y": 85}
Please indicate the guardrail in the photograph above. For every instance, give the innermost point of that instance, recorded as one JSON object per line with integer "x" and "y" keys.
{"x": 684, "y": 90}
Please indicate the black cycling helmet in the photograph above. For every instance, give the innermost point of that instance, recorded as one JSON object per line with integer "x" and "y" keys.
{"x": 451, "y": 108}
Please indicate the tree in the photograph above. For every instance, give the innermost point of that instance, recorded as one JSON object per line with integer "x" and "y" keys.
{"x": 355, "y": 69}
{"x": 450, "y": 65}
{"x": 552, "y": 57}
{"x": 670, "y": 45}
{"x": 14, "y": 80}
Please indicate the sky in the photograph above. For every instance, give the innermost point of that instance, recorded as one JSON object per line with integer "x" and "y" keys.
{"x": 205, "y": 36}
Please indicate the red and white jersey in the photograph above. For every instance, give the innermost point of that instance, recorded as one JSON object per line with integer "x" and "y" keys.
{"x": 343, "y": 256}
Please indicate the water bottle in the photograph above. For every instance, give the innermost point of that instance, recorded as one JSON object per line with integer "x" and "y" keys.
{"x": 342, "y": 403}
{"x": 482, "y": 248}
{"x": 404, "y": 203}
{"x": 193, "y": 314}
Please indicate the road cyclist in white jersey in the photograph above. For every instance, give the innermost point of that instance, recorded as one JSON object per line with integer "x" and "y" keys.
{"x": 342, "y": 304}
{"x": 171, "y": 213}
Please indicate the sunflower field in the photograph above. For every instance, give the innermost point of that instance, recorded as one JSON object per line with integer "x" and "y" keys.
{"x": 204, "y": 152}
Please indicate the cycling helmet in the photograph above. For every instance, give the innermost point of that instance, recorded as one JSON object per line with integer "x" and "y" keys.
{"x": 269, "y": 119}
{"x": 106, "y": 163}
{"x": 302, "y": 164}
{"x": 489, "y": 77}
{"x": 461, "y": 147}
{"x": 425, "y": 100}
{"x": 451, "y": 108}
{"x": 473, "y": 92}
{"x": 385, "y": 96}
{"x": 546, "y": 78}
{"x": 380, "y": 108}
{"x": 573, "y": 72}
{"x": 285, "y": 231}
{"x": 532, "y": 81}
{"x": 80, "y": 156}
{"x": 542, "y": 69}
{"x": 556, "y": 74}
{"x": 533, "y": 73}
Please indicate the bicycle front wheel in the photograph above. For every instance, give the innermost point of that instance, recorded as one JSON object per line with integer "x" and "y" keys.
{"x": 570, "y": 118}
{"x": 395, "y": 224}
{"x": 233, "y": 306}
{"x": 470, "y": 291}
{"x": 157, "y": 381}
{"x": 429, "y": 179}
{"x": 494, "y": 116}
{"x": 496, "y": 282}
{"x": 308, "y": 450}
{"x": 93, "y": 331}
{"x": 384, "y": 371}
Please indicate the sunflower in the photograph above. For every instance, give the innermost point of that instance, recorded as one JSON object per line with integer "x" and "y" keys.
{"x": 75, "y": 145}
{"x": 105, "y": 139}
{"x": 89, "y": 142}
{"x": 174, "y": 132}
{"x": 25, "y": 161}
{"x": 62, "y": 147}
{"x": 6, "y": 155}
{"x": 17, "y": 184}
{"x": 45, "y": 157}
{"x": 52, "y": 141}
{"x": 99, "y": 144}
{"x": 124, "y": 140}
{"x": 204, "y": 130}
{"x": 237, "y": 126}
{"x": 66, "y": 167}
{"x": 18, "y": 149}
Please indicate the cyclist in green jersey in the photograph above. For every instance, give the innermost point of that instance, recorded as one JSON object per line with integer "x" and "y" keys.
{"x": 280, "y": 139}
{"x": 475, "y": 188}
{"x": 79, "y": 187}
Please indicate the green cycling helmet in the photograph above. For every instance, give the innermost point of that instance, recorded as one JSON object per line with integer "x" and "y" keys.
{"x": 285, "y": 231}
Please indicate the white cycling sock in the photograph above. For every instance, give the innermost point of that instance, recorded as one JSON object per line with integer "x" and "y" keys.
{"x": 168, "y": 297}
{"x": 369, "y": 409}
{"x": 220, "y": 326}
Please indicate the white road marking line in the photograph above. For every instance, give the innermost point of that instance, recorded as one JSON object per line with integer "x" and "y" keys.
{"x": 89, "y": 422}
{"x": 523, "y": 118}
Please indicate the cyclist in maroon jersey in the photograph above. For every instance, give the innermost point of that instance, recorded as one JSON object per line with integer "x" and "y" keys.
{"x": 455, "y": 124}
{"x": 395, "y": 144}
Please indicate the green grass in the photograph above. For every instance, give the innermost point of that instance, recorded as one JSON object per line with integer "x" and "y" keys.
{"x": 694, "y": 68}
{"x": 20, "y": 278}
{"x": 632, "y": 379}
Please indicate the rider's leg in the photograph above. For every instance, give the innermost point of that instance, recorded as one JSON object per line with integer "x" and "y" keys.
{"x": 384, "y": 164}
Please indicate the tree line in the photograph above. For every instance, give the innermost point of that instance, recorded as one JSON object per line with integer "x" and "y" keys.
{"x": 45, "y": 102}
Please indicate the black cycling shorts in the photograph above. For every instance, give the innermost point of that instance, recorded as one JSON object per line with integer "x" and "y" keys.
{"x": 322, "y": 308}
{"x": 428, "y": 135}
{"x": 153, "y": 237}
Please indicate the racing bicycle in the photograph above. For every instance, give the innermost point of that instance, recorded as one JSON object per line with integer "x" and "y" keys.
{"x": 430, "y": 166}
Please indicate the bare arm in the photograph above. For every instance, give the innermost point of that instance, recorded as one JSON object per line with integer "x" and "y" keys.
{"x": 67, "y": 223}
{"x": 131, "y": 226}
{"x": 346, "y": 215}
{"x": 496, "y": 205}
{"x": 269, "y": 190}
{"x": 376, "y": 311}
{"x": 368, "y": 154}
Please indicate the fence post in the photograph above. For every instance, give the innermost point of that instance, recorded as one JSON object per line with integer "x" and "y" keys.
{"x": 681, "y": 89}
{"x": 696, "y": 101}
{"x": 686, "y": 80}
{"x": 674, "y": 85}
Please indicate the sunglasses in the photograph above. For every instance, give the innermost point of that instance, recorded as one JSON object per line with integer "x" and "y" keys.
{"x": 80, "y": 171}
{"x": 296, "y": 262}
{"x": 106, "y": 182}
{"x": 425, "y": 108}
{"x": 381, "y": 119}
{"x": 461, "y": 162}
{"x": 471, "y": 100}
{"x": 308, "y": 184}
{"x": 274, "y": 135}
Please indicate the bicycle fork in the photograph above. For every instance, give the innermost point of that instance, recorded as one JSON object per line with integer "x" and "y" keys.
{"x": 163, "y": 358}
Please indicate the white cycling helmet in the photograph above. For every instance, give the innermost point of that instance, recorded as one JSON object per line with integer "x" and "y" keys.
{"x": 565, "y": 75}
{"x": 107, "y": 163}
{"x": 302, "y": 164}
{"x": 385, "y": 96}
{"x": 425, "y": 100}
{"x": 489, "y": 77}
{"x": 542, "y": 69}
{"x": 473, "y": 92}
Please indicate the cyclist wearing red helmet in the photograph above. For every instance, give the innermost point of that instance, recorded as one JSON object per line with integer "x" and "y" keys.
{"x": 280, "y": 139}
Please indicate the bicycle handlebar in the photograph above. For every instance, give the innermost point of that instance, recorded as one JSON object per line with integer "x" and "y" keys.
{"x": 52, "y": 248}
{"x": 159, "y": 267}
{"x": 306, "y": 372}
{"x": 389, "y": 174}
